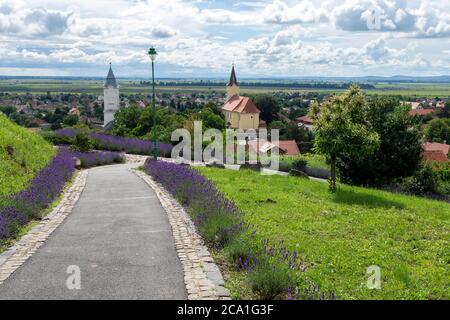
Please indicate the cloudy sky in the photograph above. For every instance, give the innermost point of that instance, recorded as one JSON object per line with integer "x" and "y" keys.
{"x": 201, "y": 38}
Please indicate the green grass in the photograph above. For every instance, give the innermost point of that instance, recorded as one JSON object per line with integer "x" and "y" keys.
{"x": 339, "y": 236}
{"x": 314, "y": 160}
{"x": 22, "y": 154}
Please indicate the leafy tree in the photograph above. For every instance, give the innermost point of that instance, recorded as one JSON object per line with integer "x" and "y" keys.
{"x": 438, "y": 130}
{"x": 445, "y": 112}
{"x": 7, "y": 110}
{"x": 127, "y": 119}
{"x": 278, "y": 124}
{"x": 399, "y": 151}
{"x": 269, "y": 107}
{"x": 341, "y": 129}
{"x": 212, "y": 120}
{"x": 70, "y": 120}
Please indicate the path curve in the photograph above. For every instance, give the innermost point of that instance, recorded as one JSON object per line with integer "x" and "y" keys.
{"x": 120, "y": 238}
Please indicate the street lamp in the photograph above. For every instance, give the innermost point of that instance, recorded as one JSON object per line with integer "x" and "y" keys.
{"x": 152, "y": 53}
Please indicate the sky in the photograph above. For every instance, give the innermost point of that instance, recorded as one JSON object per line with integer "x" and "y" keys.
{"x": 203, "y": 38}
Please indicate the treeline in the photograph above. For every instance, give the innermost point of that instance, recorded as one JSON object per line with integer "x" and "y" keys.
{"x": 303, "y": 85}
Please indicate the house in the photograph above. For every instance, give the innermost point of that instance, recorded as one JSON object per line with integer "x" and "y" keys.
{"x": 240, "y": 112}
{"x": 440, "y": 104}
{"x": 421, "y": 112}
{"x": 414, "y": 105}
{"x": 305, "y": 122}
{"x": 435, "y": 152}
{"x": 74, "y": 112}
{"x": 434, "y": 146}
{"x": 434, "y": 156}
{"x": 285, "y": 147}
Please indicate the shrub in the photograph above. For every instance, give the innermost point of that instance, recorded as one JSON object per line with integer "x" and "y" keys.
{"x": 270, "y": 280}
{"x": 241, "y": 252}
{"x": 318, "y": 173}
{"x": 285, "y": 166}
{"x": 217, "y": 229}
{"x": 217, "y": 218}
{"x": 424, "y": 181}
{"x": 82, "y": 141}
{"x": 47, "y": 185}
{"x": 300, "y": 164}
{"x": 98, "y": 158}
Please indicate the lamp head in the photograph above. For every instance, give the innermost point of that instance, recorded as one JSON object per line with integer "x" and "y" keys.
{"x": 152, "y": 53}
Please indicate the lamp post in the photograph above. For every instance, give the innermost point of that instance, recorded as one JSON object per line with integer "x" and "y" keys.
{"x": 152, "y": 53}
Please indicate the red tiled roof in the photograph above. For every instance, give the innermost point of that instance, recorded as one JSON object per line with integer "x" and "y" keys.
{"x": 240, "y": 104}
{"x": 434, "y": 156}
{"x": 421, "y": 112}
{"x": 305, "y": 119}
{"x": 287, "y": 147}
{"x": 433, "y": 146}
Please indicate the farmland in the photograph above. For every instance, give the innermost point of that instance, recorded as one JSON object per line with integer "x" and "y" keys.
{"x": 130, "y": 86}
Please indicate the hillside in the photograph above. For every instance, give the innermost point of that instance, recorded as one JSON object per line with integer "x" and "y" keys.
{"x": 339, "y": 236}
{"x": 22, "y": 154}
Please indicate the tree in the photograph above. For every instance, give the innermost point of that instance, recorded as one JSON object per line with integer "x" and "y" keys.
{"x": 269, "y": 107}
{"x": 212, "y": 120}
{"x": 278, "y": 124}
{"x": 399, "y": 152}
{"x": 127, "y": 119}
{"x": 7, "y": 110}
{"x": 445, "y": 112}
{"x": 70, "y": 120}
{"x": 438, "y": 130}
{"x": 341, "y": 129}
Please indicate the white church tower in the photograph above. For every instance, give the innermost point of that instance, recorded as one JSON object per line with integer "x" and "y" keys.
{"x": 110, "y": 97}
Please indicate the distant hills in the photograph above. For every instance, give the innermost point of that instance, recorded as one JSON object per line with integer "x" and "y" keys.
{"x": 367, "y": 79}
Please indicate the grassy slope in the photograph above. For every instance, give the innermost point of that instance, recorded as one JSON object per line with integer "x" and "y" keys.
{"x": 314, "y": 160}
{"x": 22, "y": 154}
{"x": 339, "y": 236}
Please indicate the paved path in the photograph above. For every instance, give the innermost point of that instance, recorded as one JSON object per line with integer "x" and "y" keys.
{"x": 118, "y": 235}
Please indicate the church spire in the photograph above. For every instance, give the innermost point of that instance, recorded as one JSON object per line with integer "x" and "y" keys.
{"x": 233, "y": 78}
{"x": 110, "y": 78}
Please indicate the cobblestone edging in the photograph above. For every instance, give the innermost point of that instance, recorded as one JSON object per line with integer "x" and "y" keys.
{"x": 135, "y": 159}
{"x": 14, "y": 257}
{"x": 201, "y": 275}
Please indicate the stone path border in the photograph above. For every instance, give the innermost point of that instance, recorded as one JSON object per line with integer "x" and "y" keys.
{"x": 202, "y": 277}
{"x": 15, "y": 256}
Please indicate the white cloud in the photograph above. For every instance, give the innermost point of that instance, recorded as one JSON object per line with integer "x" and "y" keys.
{"x": 305, "y": 12}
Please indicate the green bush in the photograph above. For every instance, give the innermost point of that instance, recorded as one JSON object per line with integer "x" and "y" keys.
{"x": 82, "y": 142}
{"x": 53, "y": 138}
{"x": 424, "y": 181}
{"x": 285, "y": 166}
{"x": 300, "y": 164}
{"x": 270, "y": 280}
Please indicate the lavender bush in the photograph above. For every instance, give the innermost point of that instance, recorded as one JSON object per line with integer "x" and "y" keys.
{"x": 270, "y": 267}
{"x": 17, "y": 210}
{"x": 98, "y": 158}
{"x": 113, "y": 143}
{"x": 217, "y": 217}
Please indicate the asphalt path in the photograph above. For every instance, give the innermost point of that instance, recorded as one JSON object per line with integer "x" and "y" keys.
{"x": 116, "y": 244}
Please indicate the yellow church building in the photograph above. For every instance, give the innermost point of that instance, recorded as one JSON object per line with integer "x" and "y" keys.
{"x": 240, "y": 112}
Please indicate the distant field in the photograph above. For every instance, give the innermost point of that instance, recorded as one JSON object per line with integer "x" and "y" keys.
{"x": 429, "y": 90}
